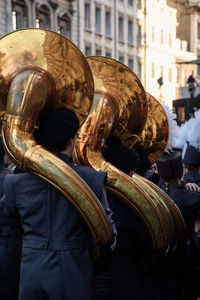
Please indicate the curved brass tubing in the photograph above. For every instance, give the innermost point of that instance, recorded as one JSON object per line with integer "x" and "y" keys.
{"x": 178, "y": 220}
{"x": 157, "y": 198}
{"x": 32, "y": 84}
{"x": 153, "y": 142}
{"x": 106, "y": 118}
{"x": 88, "y": 152}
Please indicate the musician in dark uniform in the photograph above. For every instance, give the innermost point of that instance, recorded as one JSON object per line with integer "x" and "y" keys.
{"x": 170, "y": 169}
{"x": 130, "y": 275}
{"x": 10, "y": 244}
{"x": 191, "y": 162}
{"x": 123, "y": 275}
{"x": 57, "y": 246}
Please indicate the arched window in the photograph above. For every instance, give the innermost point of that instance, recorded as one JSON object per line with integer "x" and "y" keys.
{"x": 64, "y": 25}
{"x": 19, "y": 14}
{"x": 42, "y": 17}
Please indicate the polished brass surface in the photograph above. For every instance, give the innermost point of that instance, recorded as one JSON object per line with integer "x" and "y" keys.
{"x": 153, "y": 142}
{"x": 165, "y": 211}
{"x": 45, "y": 51}
{"x": 115, "y": 80}
{"x": 38, "y": 69}
{"x": 154, "y": 138}
{"x": 178, "y": 220}
{"x": 108, "y": 106}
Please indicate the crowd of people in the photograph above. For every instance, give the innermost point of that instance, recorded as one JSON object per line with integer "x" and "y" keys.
{"x": 46, "y": 249}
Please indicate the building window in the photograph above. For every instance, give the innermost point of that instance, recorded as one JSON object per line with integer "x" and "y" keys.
{"x": 121, "y": 59}
{"x": 108, "y": 23}
{"x": 198, "y": 66}
{"x": 170, "y": 40}
{"x": 130, "y": 32}
{"x": 139, "y": 69}
{"x": 130, "y": 2}
{"x": 121, "y": 29}
{"x": 16, "y": 20}
{"x": 130, "y": 63}
{"x": 108, "y": 53}
{"x": 98, "y": 20}
{"x": 161, "y": 37}
{"x": 87, "y": 16}
{"x": 87, "y": 50}
{"x": 19, "y": 15}
{"x": 153, "y": 34}
{"x": 42, "y": 17}
{"x": 139, "y": 36}
{"x": 138, "y": 4}
{"x": 98, "y": 52}
{"x": 170, "y": 75}
{"x": 64, "y": 26}
{"x": 152, "y": 70}
{"x": 198, "y": 31}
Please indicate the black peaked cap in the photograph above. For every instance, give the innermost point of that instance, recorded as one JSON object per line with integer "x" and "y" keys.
{"x": 121, "y": 157}
{"x": 56, "y": 126}
{"x": 170, "y": 165}
{"x": 192, "y": 156}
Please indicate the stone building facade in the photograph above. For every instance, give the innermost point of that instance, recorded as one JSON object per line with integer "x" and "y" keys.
{"x": 59, "y": 16}
{"x": 145, "y": 35}
{"x": 161, "y": 51}
{"x": 111, "y": 28}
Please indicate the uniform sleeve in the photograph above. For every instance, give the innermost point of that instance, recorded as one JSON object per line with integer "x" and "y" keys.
{"x": 104, "y": 202}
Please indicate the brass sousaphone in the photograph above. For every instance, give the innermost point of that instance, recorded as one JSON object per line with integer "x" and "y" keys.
{"x": 38, "y": 69}
{"x": 120, "y": 110}
{"x": 153, "y": 142}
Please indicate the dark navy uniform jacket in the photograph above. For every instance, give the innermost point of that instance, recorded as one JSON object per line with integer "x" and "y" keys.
{"x": 187, "y": 201}
{"x": 192, "y": 177}
{"x": 122, "y": 279}
{"x": 189, "y": 262}
{"x": 56, "y": 251}
{"x": 10, "y": 249}
{"x": 127, "y": 277}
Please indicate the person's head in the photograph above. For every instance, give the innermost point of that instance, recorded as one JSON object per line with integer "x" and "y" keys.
{"x": 191, "y": 159}
{"x": 57, "y": 129}
{"x": 170, "y": 167}
{"x": 144, "y": 164}
{"x": 123, "y": 158}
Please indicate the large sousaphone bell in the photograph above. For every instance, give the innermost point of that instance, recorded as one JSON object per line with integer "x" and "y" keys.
{"x": 120, "y": 110}
{"x": 38, "y": 69}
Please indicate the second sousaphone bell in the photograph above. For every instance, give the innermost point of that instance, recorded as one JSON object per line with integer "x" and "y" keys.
{"x": 120, "y": 110}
